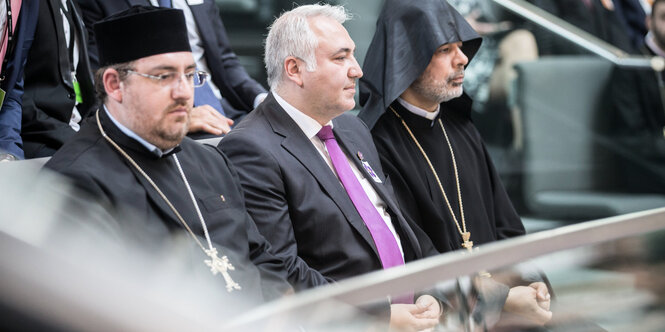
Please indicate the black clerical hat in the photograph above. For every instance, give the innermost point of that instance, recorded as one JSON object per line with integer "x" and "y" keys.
{"x": 140, "y": 31}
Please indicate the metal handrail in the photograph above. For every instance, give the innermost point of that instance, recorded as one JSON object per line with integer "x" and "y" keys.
{"x": 427, "y": 272}
{"x": 580, "y": 37}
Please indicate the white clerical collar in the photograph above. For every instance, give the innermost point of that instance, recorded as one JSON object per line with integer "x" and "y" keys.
{"x": 419, "y": 111}
{"x": 651, "y": 43}
{"x": 153, "y": 149}
{"x": 307, "y": 124}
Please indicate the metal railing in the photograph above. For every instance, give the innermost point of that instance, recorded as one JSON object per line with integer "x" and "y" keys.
{"x": 580, "y": 37}
{"x": 424, "y": 273}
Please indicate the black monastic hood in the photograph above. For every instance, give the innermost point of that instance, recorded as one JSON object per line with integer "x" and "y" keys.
{"x": 407, "y": 34}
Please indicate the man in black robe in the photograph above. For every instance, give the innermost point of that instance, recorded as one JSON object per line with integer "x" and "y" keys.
{"x": 420, "y": 121}
{"x": 132, "y": 154}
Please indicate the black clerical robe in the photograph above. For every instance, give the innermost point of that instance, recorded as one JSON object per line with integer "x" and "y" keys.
{"x": 488, "y": 211}
{"x": 98, "y": 168}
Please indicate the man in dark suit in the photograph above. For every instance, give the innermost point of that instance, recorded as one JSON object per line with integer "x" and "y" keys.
{"x": 637, "y": 124}
{"x": 632, "y": 15}
{"x": 58, "y": 80}
{"x": 16, "y": 52}
{"x": 235, "y": 91}
{"x": 331, "y": 208}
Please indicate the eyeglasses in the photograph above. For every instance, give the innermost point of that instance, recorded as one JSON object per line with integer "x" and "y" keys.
{"x": 195, "y": 78}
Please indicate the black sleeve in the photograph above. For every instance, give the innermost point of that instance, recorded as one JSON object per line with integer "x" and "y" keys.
{"x": 264, "y": 255}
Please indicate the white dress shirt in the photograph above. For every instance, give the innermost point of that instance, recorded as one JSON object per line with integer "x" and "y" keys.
{"x": 75, "y": 119}
{"x": 419, "y": 111}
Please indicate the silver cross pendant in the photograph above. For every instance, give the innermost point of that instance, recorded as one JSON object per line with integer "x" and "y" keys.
{"x": 221, "y": 265}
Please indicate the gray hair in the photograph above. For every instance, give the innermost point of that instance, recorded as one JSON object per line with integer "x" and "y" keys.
{"x": 290, "y": 35}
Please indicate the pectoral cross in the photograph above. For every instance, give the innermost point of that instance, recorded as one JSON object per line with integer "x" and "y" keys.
{"x": 467, "y": 244}
{"x": 221, "y": 265}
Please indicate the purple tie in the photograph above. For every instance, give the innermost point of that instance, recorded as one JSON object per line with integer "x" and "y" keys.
{"x": 385, "y": 241}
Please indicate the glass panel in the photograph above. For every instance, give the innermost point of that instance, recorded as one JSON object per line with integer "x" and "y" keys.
{"x": 573, "y": 137}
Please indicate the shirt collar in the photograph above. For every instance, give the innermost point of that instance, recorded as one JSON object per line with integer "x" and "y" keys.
{"x": 307, "y": 124}
{"x": 651, "y": 43}
{"x": 419, "y": 111}
{"x": 153, "y": 149}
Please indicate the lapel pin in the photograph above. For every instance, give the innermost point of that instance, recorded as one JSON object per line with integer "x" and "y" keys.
{"x": 223, "y": 198}
{"x": 360, "y": 155}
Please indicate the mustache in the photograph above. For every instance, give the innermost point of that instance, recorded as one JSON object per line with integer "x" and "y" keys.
{"x": 180, "y": 103}
{"x": 455, "y": 75}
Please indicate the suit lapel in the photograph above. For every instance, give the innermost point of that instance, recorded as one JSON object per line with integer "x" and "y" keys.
{"x": 296, "y": 143}
{"x": 352, "y": 149}
{"x": 205, "y": 30}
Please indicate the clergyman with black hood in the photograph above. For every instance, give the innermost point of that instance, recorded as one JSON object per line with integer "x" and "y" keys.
{"x": 419, "y": 116}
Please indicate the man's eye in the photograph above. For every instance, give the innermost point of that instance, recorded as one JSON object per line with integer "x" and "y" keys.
{"x": 190, "y": 76}
{"x": 166, "y": 77}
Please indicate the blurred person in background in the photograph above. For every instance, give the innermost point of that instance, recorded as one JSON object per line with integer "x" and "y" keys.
{"x": 58, "y": 81}
{"x": 20, "y": 25}
{"x": 489, "y": 77}
{"x": 596, "y": 17}
{"x": 229, "y": 94}
{"x": 637, "y": 122}
{"x": 633, "y": 14}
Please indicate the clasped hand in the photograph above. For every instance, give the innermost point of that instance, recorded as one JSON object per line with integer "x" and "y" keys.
{"x": 421, "y": 316}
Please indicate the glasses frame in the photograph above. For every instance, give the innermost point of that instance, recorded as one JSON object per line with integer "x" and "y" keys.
{"x": 163, "y": 79}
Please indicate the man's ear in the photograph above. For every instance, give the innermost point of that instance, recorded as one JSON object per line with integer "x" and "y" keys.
{"x": 293, "y": 69}
{"x": 112, "y": 84}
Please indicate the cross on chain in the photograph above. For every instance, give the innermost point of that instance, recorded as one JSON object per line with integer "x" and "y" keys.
{"x": 221, "y": 265}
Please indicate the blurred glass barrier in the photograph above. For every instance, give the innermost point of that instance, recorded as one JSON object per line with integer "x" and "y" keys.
{"x": 572, "y": 120}
{"x": 604, "y": 275}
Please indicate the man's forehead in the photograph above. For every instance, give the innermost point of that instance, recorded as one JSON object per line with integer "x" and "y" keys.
{"x": 171, "y": 60}
{"x": 333, "y": 37}
{"x": 458, "y": 43}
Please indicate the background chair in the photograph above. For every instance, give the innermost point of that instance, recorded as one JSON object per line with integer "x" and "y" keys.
{"x": 568, "y": 164}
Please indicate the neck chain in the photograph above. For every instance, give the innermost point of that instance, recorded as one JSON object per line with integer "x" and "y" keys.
{"x": 216, "y": 264}
{"x": 466, "y": 236}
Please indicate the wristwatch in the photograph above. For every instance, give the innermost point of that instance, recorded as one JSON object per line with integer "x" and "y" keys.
{"x": 5, "y": 157}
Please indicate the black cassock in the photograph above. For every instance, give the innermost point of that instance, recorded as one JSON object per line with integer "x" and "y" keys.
{"x": 488, "y": 211}
{"x": 98, "y": 168}
{"x": 408, "y": 33}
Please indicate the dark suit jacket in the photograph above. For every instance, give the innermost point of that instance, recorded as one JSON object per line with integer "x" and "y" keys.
{"x": 237, "y": 88}
{"x": 631, "y": 13}
{"x": 99, "y": 169}
{"x": 635, "y": 127}
{"x": 10, "y": 115}
{"x": 49, "y": 92}
{"x": 298, "y": 203}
